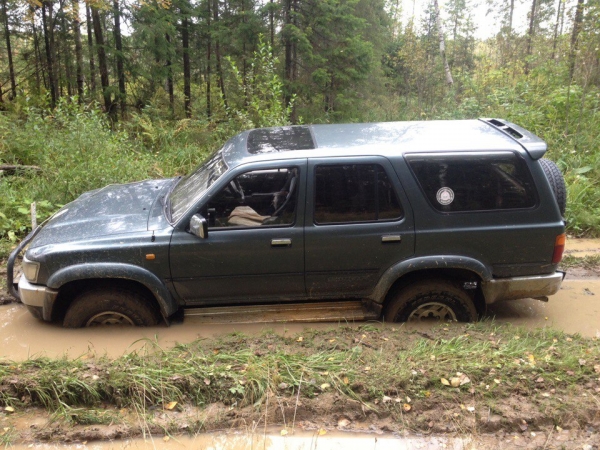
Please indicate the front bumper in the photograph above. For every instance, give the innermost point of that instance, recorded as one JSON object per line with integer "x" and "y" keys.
{"x": 521, "y": 287}
{"x": 37, "y": 297}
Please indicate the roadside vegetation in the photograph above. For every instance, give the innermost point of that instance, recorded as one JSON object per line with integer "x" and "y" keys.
{"x": 473, "y": 378}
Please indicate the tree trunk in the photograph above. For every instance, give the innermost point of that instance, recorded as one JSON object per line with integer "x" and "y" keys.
{"x": 185, "y": 42}
{"x": 438, "y": 21}
{"x": 530, "y": 34}
{"x": 108, "y": 104}
{"x": 67, "y": 55}
{"x": 119, "y": 49}
{"x": 90, "y": 40}
{"x": 272, "y": 26}
{"x": 78, "y": 50}
{"x": 170, "y": 77}
{"x": 510, "y": 16}
{"x": 556, "y": 25}
{"x": 38, "y": 57}
{"x": 11, "y": 68}
{"x": 574, "y": 35}
{"x": 46, "y": 23}
{"x": 218, "y": 56}
{"x": 287, "y": 72}
{"x": 208, "y": 63}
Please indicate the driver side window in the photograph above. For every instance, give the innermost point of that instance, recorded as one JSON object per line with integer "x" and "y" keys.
{"x": 256, "y": 199}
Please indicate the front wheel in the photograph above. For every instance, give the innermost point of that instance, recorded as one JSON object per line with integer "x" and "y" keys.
{"x": 436, "y": 300}
{"x": 110, "y": 306}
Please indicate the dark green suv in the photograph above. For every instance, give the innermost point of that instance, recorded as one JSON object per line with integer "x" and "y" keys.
{"x": 415, "y": 219}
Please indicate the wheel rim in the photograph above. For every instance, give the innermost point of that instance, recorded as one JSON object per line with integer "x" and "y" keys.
{"x": 109, "y": 318}
{"x": 432, "y": 311}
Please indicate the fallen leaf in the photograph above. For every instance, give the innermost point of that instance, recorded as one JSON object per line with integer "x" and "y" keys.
{"x": 166, "y": 438}
{"x": 325, "y": 386}
{"x": 568, "y": 340}
{"x": 455, "y": 382}
{"x": 367, "y": 369}
{"x": 432, "y": 357}
{"x": 216, "y": 351}
{"x": 464, "y": 380}
{"x": 343, "y": 422}
{"x": 497, "y": 381}
{"x": 408, "y": 400}
{"x": 386, "y": 399}
{"x": 284, "y": 432}
{"x": 364, "y": 336}
{"x": 322, "y": 431}
{"x": 9, "y": 409}
{"x": 300, "y": 339}
{"x": 471, "y": 408}
{"x": 95, "y": 377}
{"x": 170, "y": 405}
{"x": 207, "y": 381}
{"x": 346, "y": 380}
{"x": 517, "y": 337}
{"x": 539, "y": 380}
{"x": 582, "y": 362}
{"x": 331, "y": 340}
{"x": 445, "y": 382}
{"x": 428, "y": 393}
{"x": 406, "y": 407}
{"x": 597, "y": 368}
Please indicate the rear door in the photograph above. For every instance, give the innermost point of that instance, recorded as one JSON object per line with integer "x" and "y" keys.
{"x": 358, "y": 223}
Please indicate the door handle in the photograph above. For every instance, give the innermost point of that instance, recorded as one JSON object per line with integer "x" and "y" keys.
{"x": 281, "y": 242}
{"x": 391, "y": 238}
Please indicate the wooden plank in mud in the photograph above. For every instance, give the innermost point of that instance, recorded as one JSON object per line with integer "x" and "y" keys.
{"x": 349, "y": 311}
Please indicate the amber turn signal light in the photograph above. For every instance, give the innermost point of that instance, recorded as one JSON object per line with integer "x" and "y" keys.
{"x": 559, "y": 248}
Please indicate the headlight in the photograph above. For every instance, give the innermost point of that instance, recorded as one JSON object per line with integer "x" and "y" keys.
{"x": 30, "y": 270}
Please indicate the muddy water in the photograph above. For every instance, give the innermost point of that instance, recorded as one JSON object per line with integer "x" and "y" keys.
{"x": 574, "y": 309}
{"x": 273, "y": 441}
{"x": 582, "y": 247}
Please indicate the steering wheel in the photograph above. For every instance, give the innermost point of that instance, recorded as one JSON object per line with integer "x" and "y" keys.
{"x": 237, "y": 189}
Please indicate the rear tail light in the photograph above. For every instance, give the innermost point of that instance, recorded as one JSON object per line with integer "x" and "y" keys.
{"x": 559, "y": 248}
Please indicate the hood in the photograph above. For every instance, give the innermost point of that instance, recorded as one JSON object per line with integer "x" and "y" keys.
{"x": 114, "y": 209}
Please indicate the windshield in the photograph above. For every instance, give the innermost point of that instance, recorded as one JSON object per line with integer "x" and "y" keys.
{"x": 189, "y": 190}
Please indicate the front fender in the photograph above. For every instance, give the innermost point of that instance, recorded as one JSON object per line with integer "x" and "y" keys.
{"x": 423, "y": 263}
{"x": 167, "y": 304}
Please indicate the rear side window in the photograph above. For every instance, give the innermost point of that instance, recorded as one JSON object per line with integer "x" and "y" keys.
{"x": 475, "y": 183}
{"x": 354, "y": 193}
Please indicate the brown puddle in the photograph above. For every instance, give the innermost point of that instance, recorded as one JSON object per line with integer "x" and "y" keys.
{"x": 273, "y": 440}
{"x": 574, "y": 309}
{"x": 582, "y": 247}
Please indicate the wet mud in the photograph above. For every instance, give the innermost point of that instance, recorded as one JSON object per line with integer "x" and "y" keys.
{"x": 574, "y": 309}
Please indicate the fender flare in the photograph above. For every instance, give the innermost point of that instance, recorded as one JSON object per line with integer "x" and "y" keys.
{"x": 77, "y": 272}
{"x": 423, "y": 263}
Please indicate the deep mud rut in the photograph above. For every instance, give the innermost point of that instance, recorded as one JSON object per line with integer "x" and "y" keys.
{"x": 575, "y": 309}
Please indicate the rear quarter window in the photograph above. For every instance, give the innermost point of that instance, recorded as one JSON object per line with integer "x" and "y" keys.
{"x": 462, "y": 183}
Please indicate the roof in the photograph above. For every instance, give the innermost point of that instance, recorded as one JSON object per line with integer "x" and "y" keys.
{"x": 384, "y": 138}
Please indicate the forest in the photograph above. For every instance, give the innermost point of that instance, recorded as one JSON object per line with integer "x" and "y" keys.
{"x": 103, "y": 91}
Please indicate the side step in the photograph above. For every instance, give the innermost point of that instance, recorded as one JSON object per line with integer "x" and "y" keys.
{"x": 347, "y": 311}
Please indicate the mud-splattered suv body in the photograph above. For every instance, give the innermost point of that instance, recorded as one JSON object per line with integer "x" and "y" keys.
{"x": 416, "y": 219}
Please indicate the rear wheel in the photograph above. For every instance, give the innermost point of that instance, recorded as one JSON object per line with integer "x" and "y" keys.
{"x": 110, "y": 306}
{"x": 436, "y": 300}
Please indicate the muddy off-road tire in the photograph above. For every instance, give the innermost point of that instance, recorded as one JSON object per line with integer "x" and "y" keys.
{"x": 557, "y": 182}
{"x": 431, "y": 300}
{"x": 110, "y": 306}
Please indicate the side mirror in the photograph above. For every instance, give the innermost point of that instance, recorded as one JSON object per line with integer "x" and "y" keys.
{"x": 199, "y": 226}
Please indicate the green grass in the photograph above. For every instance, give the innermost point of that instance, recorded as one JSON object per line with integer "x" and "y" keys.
{"x": 587, "y": 262}
{"x": 368, "y": 364}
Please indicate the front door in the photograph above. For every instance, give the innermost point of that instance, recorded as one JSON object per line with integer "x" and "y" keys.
{"x": 255, "y": 245}
{"x": 358, "y": 224}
